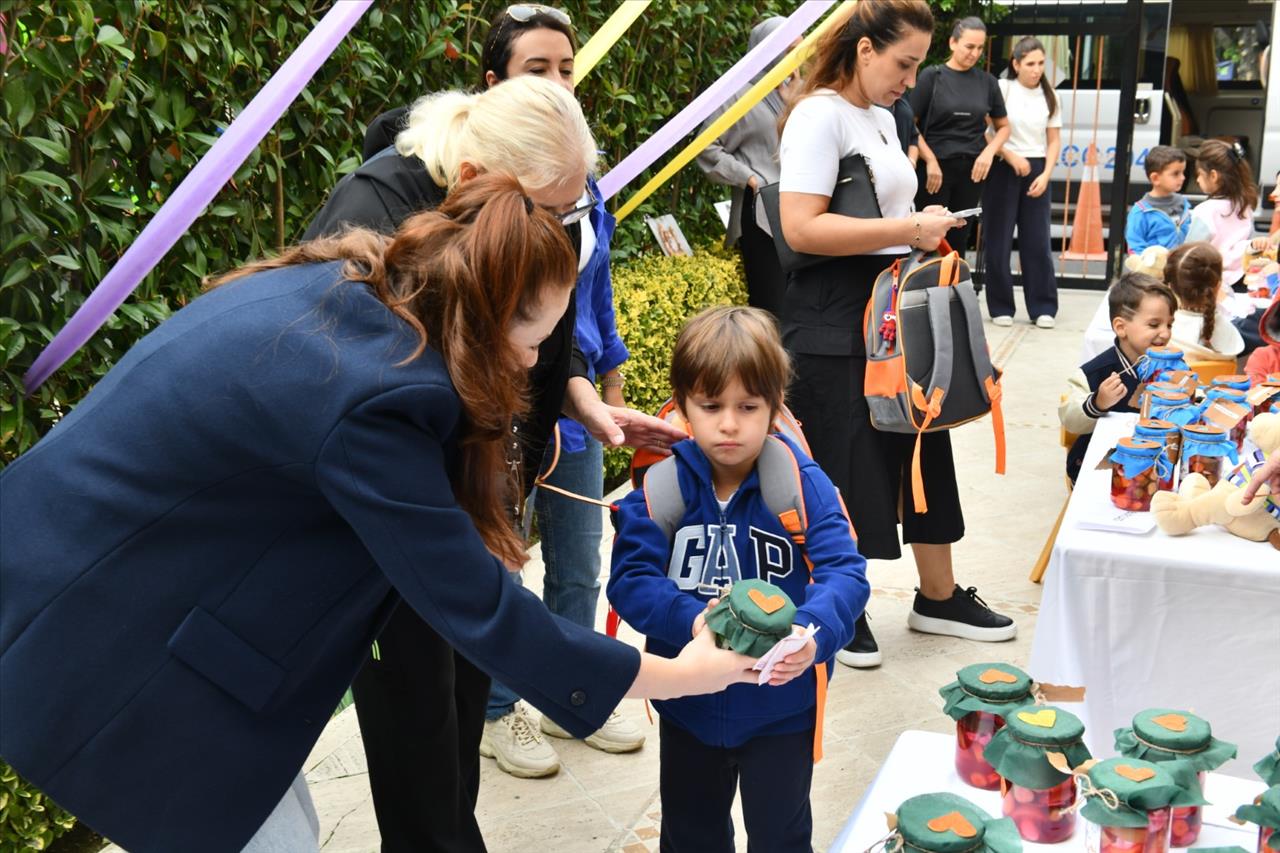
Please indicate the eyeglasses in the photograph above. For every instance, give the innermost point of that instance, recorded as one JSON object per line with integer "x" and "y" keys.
{"x": 580, "y": 212}
{"x": 525, "y": 12}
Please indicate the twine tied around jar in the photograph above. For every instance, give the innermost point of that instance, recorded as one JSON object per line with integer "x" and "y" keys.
{"x": 893, "y": 842}
{"x": 1144, "y": 742}
{"x": 1085, "y": 789}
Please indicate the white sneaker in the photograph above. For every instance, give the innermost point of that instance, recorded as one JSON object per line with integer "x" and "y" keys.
{"x": 514, "y": 740}
{"x": 618, "y": 734}
{"x": 1002, "y": 320}
{"x": 1044, "y": 321}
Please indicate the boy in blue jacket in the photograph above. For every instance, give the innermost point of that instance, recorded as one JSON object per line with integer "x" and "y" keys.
{"x": 728, "y": 377}
{"x": 1162, "y": 217}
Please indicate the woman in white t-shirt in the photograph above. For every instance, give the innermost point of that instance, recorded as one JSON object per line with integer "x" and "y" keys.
{"x": 869, "y": 60}
{"x": 1017, "y": 192}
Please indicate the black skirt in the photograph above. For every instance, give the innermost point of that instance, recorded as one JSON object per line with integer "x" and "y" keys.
{"x": 871, "y": 468}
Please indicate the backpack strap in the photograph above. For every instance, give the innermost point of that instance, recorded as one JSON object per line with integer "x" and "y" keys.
{"x": 783, "y": 493}
{"x": 662, "y": 496}
{"x": 984, "y": 368}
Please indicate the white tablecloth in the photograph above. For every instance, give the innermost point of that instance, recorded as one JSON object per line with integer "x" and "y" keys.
{"x": 923, "y": 763}
{"x": 1189, "y": 622}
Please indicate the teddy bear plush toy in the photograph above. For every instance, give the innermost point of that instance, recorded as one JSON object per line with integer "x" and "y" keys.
{"x": 1195, "y": 504}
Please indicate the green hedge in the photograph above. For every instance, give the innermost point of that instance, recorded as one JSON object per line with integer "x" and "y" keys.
{"x": 653, "y": 296}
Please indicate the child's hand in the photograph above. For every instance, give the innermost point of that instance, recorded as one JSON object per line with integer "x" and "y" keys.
{"x": 1259, "y": 244}
{"x": 794, "y": 663}
{"x": 1110, "y": 392}
{"x": 700, "y": 621}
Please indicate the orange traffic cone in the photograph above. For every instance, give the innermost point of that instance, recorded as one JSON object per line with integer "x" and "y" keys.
{"x": 1086, "y": 228}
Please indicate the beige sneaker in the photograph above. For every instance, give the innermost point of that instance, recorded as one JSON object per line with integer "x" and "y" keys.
{"x": 618, "y": 734}
{"x": 514, "y": 740}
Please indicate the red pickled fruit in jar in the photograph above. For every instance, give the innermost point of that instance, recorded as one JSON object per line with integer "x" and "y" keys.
{"x": 1187, "y": 821}
{"x": 1264, "y": 834}
{"x": 973, "y": 733}
{"x": 1041, "y": 816}
{"x": 1208, "y": 466}
{"x": 1134, "y": 493}
{"x": 1153, "y": 838}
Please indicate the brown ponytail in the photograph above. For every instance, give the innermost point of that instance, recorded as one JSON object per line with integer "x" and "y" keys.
{"x": 1232, "y": 167}
{"x": 1194, "y": 271}
{"x": 459, "y": 276}
{"x": 835, "y": 59}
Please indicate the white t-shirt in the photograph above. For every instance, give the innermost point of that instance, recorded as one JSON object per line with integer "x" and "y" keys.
{"x": 1188, "y": 326}
{"x": 1028, "y": 118}
{"x": 825, "y": 128}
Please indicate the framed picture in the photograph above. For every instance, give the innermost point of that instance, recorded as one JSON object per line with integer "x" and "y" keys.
{"x": 668, "y": 234}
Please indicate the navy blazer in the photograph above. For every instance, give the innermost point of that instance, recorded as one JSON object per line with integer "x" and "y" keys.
{"x": 195, "y": 560}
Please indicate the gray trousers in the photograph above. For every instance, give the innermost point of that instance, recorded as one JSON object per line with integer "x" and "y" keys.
{"x": 292, "y": 827}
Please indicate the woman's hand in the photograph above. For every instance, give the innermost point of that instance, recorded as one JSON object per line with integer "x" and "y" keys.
{"x": 932, "y": 175}
{"x": 1021, "y": 165}
{"x": 1039, "y": 185}
{"x": 982, "y": 166}
{"x": 933, "y": 228}
{"x": 1268, "y": 474}
{"x": 794, "y": 663}
{"x": 699, "y": 668}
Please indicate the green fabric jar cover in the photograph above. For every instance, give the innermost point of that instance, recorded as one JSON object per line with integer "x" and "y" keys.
{"x": 1019, "y": 751}
{"x": 752, "y": 618}
{"x": 1161, "y": 734}
{"x": 1265, "y": 812}
{"x": 1269, "y": 768}
{"x": 1121, "y": 791}
{"x": 947, "y": 823}
{"x": 996, "y": 688}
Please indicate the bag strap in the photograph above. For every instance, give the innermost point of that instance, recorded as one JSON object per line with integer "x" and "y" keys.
{"x": 984, "y": 369}
{"x": 662, "y": 496}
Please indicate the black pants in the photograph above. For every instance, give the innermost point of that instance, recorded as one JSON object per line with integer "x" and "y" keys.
{"x": 421, "y": 710}
{"x": 1005, "y": 203}
{"x": 698, "y": 783}
{"x": 766, "y": 283}
{"x": 958, "y": 192}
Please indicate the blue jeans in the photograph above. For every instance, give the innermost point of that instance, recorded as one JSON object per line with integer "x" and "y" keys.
{"x": 571, "y": 532}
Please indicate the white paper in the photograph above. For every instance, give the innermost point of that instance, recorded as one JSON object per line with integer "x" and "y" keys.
{"x": 782, "y": 648}
{"x": 1115, "y": 520}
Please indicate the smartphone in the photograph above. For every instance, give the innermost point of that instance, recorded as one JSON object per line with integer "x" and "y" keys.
{"x": 965, "y": 214}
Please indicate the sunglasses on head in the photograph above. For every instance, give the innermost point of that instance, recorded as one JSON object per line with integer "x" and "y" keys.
{"x": 525, "y": 12}
{"x": 581, "y": 211}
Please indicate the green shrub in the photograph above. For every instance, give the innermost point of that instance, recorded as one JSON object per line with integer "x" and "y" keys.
{"x": 28, "y": 819}
{"x": 654, "y": 296}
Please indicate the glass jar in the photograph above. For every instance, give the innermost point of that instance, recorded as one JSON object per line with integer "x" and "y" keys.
{"x": 1239, "y": 382}
{"x": 1264, "y": 835}
{"x": 1232, "y": 395}
{"x": 1166, "y": 433}
{"x": 1161, "y": 363}
{"x": 1172, "y": 406}
{"x": 1203, "y": 450}
{"x": 1187, "y": 821}
{"x": 1139, "y": 469}
{"x": 1041, "y": 816}
{"x": 973, "y": 733}
{"x": 1269, "y": 400}
{"x": 1153, "y": 838}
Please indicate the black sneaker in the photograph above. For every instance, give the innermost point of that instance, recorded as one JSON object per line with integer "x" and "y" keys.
{"x": 862, "y": 651}
{"x": 963, "y": 615}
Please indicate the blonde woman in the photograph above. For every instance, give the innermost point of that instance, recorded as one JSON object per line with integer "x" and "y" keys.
{"x": 419, "y": 703}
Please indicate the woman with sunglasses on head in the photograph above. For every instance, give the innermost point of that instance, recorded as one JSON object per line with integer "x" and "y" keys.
{"x": 198, "y": 557}
{"x": 405, "y": 722}
{"x": 859, "y": 67}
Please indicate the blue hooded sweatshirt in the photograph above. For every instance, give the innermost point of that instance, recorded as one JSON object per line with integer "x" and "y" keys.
{"x": 1149, "y": 226}
{"x": 659, "y": 587}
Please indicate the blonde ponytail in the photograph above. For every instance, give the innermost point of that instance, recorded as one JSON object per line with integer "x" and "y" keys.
{"x": 527, "y": 128}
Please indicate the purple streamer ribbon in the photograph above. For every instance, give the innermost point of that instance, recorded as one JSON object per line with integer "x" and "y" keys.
{"x": 198, "y": 189}
{"x": 715, "y": 95}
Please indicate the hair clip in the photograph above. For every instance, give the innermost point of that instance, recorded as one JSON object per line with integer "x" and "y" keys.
{"x": 1236, "y": 150}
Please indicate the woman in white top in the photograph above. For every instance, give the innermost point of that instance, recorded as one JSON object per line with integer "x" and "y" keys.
{"x": 867, "y": 62}
{"x": 1017, "y": 192}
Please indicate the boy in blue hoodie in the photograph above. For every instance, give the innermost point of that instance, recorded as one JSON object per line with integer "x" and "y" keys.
{"x": 728, "y": 377}
{"x": 1162, "y": 217}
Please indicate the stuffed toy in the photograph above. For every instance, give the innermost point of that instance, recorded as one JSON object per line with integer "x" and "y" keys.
{"x": 1195, "y": 504}
{"x": 1150, "y": 261}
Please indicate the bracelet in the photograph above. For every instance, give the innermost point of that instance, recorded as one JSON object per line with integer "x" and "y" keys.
{"x": 915, "y": 241}
{"x": 613, "y": 381}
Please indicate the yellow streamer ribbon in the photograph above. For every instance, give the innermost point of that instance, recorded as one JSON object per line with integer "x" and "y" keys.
{"x": 753, "y": 96}
{"x": 605, "y": 37}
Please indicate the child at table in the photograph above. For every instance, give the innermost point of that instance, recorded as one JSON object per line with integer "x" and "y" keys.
{"x": 1225, "y": 218}
{"x": 1266, "y": 358}
{"x": 1162, "y": 216}
{"x": 1201, "y": 328}
{"x": 1141, "y": 309}
{"x": 728, "y": 375}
